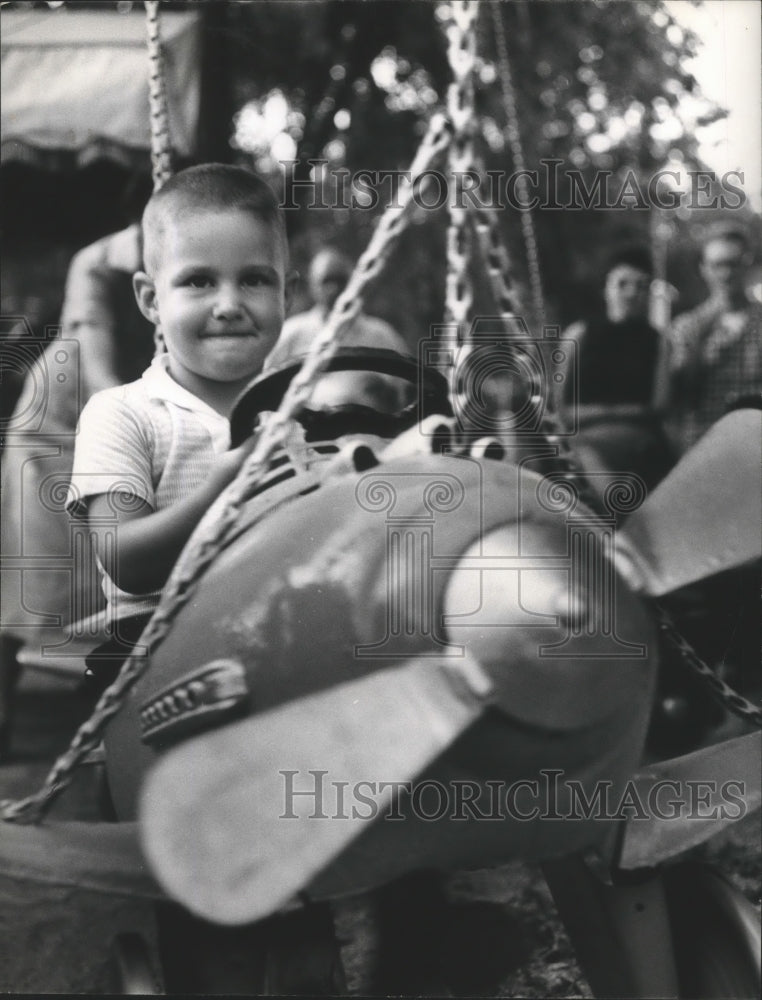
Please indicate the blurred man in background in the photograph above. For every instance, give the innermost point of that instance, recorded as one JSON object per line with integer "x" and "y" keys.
{"x": 715, "y": 350}
{"x": 329, "y": 273}
{"x": 715, "y": 361}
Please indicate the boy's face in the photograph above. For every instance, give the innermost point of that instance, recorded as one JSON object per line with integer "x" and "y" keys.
{"x": 219, "y": 295}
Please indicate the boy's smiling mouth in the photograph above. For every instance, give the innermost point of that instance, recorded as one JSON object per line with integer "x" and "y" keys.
{"x": 239, "y": 334}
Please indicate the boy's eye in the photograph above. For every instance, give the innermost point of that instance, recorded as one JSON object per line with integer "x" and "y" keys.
{"x": 197, "y": 281}
{"x": 255, "y": 279}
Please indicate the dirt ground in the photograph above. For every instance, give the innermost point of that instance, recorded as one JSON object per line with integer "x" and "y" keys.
{"x": 507, "y": 940}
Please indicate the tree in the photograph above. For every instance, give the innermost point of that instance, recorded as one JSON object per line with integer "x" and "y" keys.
{"x": 603, "y": 98}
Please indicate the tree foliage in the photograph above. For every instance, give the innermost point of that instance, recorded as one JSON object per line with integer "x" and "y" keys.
{"x": 600, "y": 86}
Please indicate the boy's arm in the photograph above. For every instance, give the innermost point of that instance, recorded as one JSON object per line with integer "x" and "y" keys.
{"x": 149, "y": 542}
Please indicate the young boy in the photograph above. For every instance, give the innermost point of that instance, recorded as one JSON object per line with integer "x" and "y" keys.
{"x": 151, "y": 456}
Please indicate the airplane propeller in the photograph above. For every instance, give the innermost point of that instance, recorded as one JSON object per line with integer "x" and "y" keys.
{"x": 254, "y": 845}
{"x": 705, "y": 516}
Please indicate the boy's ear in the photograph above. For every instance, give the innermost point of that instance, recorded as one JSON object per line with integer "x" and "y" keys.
{"x": 145, "y": 293}
{"x": 292, "y": 279}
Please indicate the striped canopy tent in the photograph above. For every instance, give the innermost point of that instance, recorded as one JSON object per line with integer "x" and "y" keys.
{"x": 75, "y": 85}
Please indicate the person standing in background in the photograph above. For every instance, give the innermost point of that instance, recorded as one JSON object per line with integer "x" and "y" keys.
{"x": 618, "y": 384}
{"x": 715, "y": 350}
{"x": 714, "y": 362}
{"x": 115, "y": 344}
{"x": 329, "y": 273}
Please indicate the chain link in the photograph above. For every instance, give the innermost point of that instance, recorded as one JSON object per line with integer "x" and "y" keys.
{"x": 550, "y": 425}
{"x": 720, "y": 691}
{"x": 161, "y": 155}
{"x": 513, "y": 133}
{"x": 496, "y": 262}
{"x": 459, "y": 293}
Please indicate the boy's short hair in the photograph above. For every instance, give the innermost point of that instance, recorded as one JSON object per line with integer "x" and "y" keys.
{"x": 208, "y": 187}
{"x": 635, "y": 256}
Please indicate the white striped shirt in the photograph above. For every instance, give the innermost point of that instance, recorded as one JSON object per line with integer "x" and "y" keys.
{"x": 149, "y": 440}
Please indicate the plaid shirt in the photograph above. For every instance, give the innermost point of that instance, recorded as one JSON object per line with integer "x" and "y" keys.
{"x": 714, "y": 359}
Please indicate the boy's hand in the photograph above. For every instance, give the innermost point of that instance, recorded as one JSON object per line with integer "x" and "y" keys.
{"x": 229, "y": 465}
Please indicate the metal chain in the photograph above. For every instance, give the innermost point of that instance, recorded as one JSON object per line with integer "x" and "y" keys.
{"x": 161, "y": 153}
{"x": 210, "y": 536}
{"x": 513, "y": 133}
{"x": 720, "y": 691}
{"x": 461, "y": 53}
{"x": 496, "y": 261}
{"x": 459, "y": 293}
{"x": 550, "y": 425}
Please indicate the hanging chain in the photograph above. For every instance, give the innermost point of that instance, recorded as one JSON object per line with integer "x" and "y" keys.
{"x": 459, "y": 293}
{"x": 161, "y": 155}
{"x": 719, "y": 690}
{"x": 549, "y": 424}
{"x": 513, "y": 133}
{"x": 496, "y": 262}
{"x": 211, "y": 534}
{"x": 461, "y": 53}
